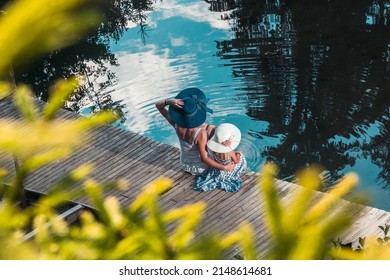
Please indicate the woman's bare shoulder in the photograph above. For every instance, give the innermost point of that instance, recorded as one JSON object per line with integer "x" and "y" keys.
{"x": 209, "y": 128}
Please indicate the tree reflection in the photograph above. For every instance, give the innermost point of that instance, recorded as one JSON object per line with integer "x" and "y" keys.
{"x": 90, "y": 57}
{"x": 318, "y": 73}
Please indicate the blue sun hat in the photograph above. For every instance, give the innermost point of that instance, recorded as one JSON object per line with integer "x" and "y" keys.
{"x": 194, "y": 110}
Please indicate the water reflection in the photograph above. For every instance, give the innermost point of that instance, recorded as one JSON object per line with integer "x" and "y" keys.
{"x": 377, "y": 13}
{"x": 90, "y": 57}
{"x": 147, "y": 84}
{"x": 313, "y": 85}
{"x": 306, "y": 81}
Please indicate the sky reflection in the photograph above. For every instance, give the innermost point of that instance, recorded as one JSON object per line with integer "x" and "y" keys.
{"x": 296, "y": 97}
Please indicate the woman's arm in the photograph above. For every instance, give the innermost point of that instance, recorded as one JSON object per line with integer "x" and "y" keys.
{"x": 161, "y": 106}
{"x": 201, "y": 143}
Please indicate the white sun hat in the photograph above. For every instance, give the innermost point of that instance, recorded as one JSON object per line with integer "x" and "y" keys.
{"x": 226, "y": 138}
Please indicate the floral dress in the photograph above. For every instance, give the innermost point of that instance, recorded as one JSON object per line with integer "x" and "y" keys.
{"x": 229, "y": 181}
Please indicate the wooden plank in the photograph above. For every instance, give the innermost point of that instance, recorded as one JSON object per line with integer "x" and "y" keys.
{"x": 192, "y": 181}
{"x": 58, "y": 170}
{"x": 128, "y": 170}
{"x": 231, "y": 213}
{"x": 153, "y": 171}
{"x": 217, "y": 214}
{"x": 122, "y": 154}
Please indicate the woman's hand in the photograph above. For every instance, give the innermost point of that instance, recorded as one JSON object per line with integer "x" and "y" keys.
{"x": 177, "y": 103}
{"x": 229, "y": 166}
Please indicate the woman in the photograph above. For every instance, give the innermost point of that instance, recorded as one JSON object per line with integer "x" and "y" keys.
{"x": 187, "y": 114}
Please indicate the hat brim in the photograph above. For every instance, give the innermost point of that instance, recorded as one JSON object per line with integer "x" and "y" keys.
{"x": 184, "y": 121}
{"x": 214, "y": 146}
{"x": 187, "y": 122}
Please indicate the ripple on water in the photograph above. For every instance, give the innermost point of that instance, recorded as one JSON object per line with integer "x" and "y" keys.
{"x": 252, "y": 151}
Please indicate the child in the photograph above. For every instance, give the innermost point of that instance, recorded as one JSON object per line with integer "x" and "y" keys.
{"x": 221, "y": 148}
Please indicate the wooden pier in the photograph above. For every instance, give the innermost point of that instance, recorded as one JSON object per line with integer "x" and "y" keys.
{"x": 118, "y": 154}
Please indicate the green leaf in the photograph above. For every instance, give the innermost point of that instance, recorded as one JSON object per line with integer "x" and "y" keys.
{"x": 5, "y": 89}
{"x": 30, "y": 28}
{"x": 59, "y": 93}
{"x": 387, "y": 227}
{"x": 25, "y": 102}
{"x": 362, "y": 241}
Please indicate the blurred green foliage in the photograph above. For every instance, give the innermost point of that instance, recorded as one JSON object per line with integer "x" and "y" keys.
{"x": 31, "y": 28}
{"x": 301, "y": 229}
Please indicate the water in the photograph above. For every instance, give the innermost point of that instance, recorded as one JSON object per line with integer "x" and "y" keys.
{"x": 304, "y": 82}
{"x": 181, "y": 52}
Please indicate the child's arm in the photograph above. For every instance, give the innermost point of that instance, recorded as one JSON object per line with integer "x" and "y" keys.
{"x": 235, "y": 156}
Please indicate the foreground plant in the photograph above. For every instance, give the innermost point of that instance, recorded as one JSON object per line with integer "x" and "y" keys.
{"x": 304, "y": 227}
{"x": 300, "y": 229}
{"x": 34, "y": 27}
{"x": 30, "y": 28}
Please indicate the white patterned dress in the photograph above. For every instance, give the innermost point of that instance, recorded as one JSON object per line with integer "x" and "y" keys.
{"x": 229, "y": 181}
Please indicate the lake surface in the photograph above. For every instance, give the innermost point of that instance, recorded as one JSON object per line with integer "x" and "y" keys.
{"x": 305, "y": 81}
